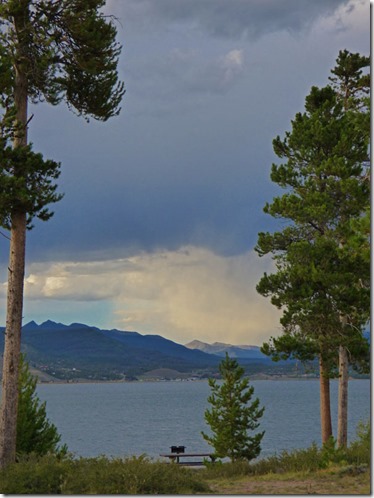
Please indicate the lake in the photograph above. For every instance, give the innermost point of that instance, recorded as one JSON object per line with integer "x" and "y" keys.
{"x": 124, "y": 419}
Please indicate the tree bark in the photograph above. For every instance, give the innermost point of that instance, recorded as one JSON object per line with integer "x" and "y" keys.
{"x": 16, "y": 272}
{"x": 12, "y": 347}
{"x": 342, "y": 435}
{"x": 325, "y": 407}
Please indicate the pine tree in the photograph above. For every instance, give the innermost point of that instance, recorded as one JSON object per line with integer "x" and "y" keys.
{"x": 230, "y": 417}
{"x": 319, "y": 275}
{"x": 53, "y": 51}
{"x": 352, "y": 88}
{"x": 35, "y": 433}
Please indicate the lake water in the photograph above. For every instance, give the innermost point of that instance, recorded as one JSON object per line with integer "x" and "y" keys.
{"x": 127, "y": 419}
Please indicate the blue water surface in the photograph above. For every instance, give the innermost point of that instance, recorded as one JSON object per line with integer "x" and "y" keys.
{"x": 124, "y": 419}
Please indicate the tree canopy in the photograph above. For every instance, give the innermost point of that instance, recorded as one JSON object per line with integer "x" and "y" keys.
{"x": 232, "y": 416}
{"x": 68, "y": 52}
{"x": 320, "y": 271}
{"x": 322, "y": 254}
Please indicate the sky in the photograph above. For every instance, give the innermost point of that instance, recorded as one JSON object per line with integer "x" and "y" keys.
{"x": 163, "y": 204}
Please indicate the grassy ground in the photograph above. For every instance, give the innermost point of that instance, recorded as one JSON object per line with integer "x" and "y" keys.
{"x": 322, "y": 471}
{"x": 330, "y": 482}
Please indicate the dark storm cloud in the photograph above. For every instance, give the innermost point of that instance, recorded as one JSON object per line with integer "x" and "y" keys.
{"x": 169, "y": 213}
{"x": 231, "y": 18}
{"x": 188, "y": 159}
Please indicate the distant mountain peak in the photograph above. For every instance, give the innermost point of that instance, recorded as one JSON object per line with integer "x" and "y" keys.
{"x": 81, "y": 326}
{"x": 30, "y": 325}
{"x": 220, "y": 349}
{"x": 49, "y": 324}
{"x": 196, "y": 344}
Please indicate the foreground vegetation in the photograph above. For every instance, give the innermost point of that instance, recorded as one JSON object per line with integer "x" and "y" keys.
{"x": 313, "y": 470}
{"x": 307, "y": 471}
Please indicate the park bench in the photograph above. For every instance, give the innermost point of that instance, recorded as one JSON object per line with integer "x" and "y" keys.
{"x": 177, "y": 452}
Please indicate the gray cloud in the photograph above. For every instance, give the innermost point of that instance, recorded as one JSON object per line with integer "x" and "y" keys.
{"x": 229, "y": 19}
{"x": 187, "y": 72}
{"x": 188, "y": 159}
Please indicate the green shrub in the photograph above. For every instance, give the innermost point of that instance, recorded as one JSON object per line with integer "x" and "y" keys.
{"x": 303, "y": 460}
{"x": 353, "y": 470}
{"x": 356, "y": 457}
{"x": 299, "y": 460}
{"x": 359, "y": 451}
{"x": 34, "y": 474}
{"x": 52, "y": 475}
{"x": 130, "y": 476}
{"x": 330, "y": 454}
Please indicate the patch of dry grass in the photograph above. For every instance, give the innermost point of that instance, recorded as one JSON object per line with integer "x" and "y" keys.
{"x": 321, "y": 482}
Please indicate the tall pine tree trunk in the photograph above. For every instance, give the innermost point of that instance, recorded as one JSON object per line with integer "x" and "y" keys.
{"x": 325, "y": 406}
{"x": 39, "y": 46}
{"x": 342, "y": 434}
{"x": 9, "y": 402}
{"x": 342, "y": 431}
{"x": 16, "y": 272}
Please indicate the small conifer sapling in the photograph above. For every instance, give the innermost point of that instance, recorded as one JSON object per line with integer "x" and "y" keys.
{"x": 35, "y": 433}
{"x": 233, "y": 416}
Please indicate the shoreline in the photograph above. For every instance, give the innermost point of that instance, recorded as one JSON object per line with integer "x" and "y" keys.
{"x": 142, "y": 381}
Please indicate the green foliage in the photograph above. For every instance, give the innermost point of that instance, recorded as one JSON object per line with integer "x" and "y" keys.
{"x": 68, "y": 50}
{"x": 26, "y": 184}
{"x": 230, "y": 417}
{"x": 101, "y": 475}
{"x": 65, "y": 50}
{"x": 331, "y": 454}
{"x": 322, "y": 256}
{"x": 349, "y": 81}
{"x": 296, "y": 346}
{"x": 34, "y": 475}
{"x": 359, "y": 452}
{"x": 353, "y": 459}
{"x": 130, "y": 476}
{"x": 35, "y": 434}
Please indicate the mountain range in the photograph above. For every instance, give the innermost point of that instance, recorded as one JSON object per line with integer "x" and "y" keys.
{"x": 79, "y": 351}
{"x": 74, "y": 352}
{"x": 220, "y": 349}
